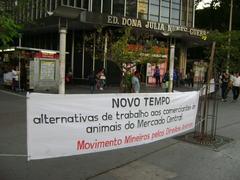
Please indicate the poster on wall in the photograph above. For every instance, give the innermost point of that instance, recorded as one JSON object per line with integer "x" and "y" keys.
{"x": 151, "y": 69}
{"x": 200, "y": 69}
{"x": 64, "y": 125}
{"x": 129, "y": 68}
{"x": 47, "y": 70}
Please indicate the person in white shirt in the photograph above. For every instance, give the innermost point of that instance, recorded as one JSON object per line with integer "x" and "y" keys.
{"x": 14, "y": 78}
{"x": 236, "y": 86}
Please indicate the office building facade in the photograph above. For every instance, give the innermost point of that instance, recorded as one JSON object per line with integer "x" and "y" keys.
{"x": 78, "y": 22}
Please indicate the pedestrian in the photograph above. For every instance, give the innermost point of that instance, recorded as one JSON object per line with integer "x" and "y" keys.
{"x": 235, "y": 86}
{"x": 175, "y": 78}
{"x": 14, "y": 78}
{"x": 156, "y": 75}
{"x": 191, "y": 78}
{"x": 135, "y": 80}
{"x": 101, "y": 79}
{"x": 1, "y": 76}
{"x": 92, "y": 82}
{"x": 166, "y": 81}
{"x": 224, "y": 86}
{"x": 69, "y": 77}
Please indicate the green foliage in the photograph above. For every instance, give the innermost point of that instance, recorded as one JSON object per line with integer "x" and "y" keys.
{"x": 222, "y": 49}
{"x": 8, "y": 30}
{"x": 141, "y": 54}
{"x": 216, "y": 19}
{"x": 121, "y": 54}
{"x": 126, "y": 83}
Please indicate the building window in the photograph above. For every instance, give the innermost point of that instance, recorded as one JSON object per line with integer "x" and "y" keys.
{"x": 154, "y": 10}
{"x": 190, "y": 14}
{"x": 142, "y": 9}
{"x": 165, "y": 11}
{"x": 85, "y": 4}
{"x": 59, "y": 2}
{"x": 79, "y": 3}
{"x": 118, "y": 7}
{"x": 71, "y": 3}
{"x": 65, "y": 2}
{"x": 107, "y": 6}
{"x": 184, "y": 13}
{"x": 131, "y": 8}
{"x": 53, "y": 5}
{"x": 96, "y": 6}
{"x": 175, "y": 13}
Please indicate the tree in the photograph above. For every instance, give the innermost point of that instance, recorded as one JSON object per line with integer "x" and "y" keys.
{"x": 216, "y": 19}
{"x": 222, "y": 50}
{"x": 9, "y": 29}
{"x": 122, "y": 54}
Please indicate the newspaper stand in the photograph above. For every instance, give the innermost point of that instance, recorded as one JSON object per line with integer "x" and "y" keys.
{"x": 38, "y": 68}
{"x": 43, "y": 71}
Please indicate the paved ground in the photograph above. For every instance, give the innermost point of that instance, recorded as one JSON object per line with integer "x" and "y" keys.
{"x": 162, "y": 160}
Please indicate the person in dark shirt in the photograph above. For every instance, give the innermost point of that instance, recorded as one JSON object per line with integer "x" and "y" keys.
{"x": 225, "y": 80}
{"x": 157, "y": 76}
{"x": 92, "y": 82}
{"x": 166, "y": 81}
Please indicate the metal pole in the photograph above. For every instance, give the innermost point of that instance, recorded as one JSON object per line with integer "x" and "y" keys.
{"x": 229, "y": 36}
{"x": 62, "y": 60}
{"x": 94, "y": 51}
{"x": 19, "y": 63}
{"x": 83, "y": 57}
{"x": 105, "y": 51}
{"x": 171, "y": 67}
{"x": 73, "y": 52}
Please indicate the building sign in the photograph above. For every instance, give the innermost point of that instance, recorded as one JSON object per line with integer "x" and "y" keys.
{"x": 47, "y": 55}
{"x": 150, "y": 25}
{"x": 63, "y": 125}
{"x": 158, "y": 52}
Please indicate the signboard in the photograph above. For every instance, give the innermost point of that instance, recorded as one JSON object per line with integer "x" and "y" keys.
{"x": 97, "y": 18}
{"x": 63, "y": 125}
{"x": 151, "y": 25}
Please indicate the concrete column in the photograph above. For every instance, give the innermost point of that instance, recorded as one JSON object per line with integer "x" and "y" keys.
{"x": 62, "y": 60}
{"x": 171, "y": 67}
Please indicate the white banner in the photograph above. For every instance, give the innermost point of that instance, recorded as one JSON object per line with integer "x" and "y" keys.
{"x": 64, "y": 125}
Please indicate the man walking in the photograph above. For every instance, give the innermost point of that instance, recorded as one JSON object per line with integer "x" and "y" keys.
{"x": 135, "y": 82}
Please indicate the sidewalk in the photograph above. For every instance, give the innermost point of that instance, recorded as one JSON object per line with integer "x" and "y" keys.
{"x": 84, "y": 89}
{"x": 162, "y": 160}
